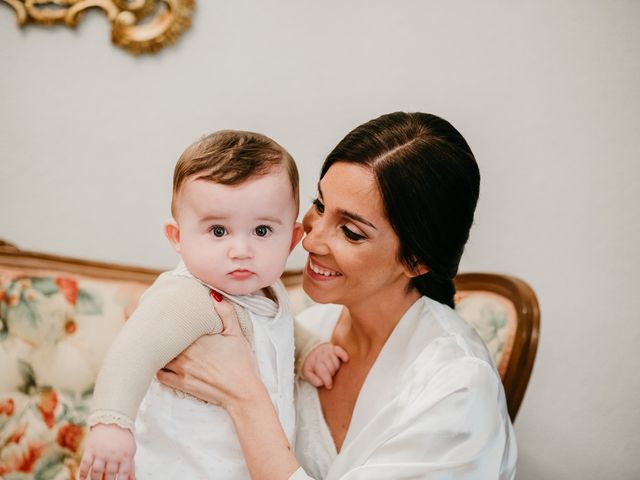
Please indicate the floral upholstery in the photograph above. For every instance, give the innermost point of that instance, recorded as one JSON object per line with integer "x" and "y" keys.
{"x": 54, "y": 331}
{"x": 494, "y": 318}
{"x": 55, "y": 328}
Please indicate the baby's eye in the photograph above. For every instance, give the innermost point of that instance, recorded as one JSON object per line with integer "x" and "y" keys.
{"x": 263, "y": 230}
{"x": 218, "y": 231}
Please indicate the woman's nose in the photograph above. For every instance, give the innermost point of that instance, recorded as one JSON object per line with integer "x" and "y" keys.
{"x": 314, "y": 240}
{"x": 307, "y": 220}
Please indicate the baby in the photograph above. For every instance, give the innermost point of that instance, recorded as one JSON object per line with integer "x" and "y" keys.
{"x": 234, "y": 208}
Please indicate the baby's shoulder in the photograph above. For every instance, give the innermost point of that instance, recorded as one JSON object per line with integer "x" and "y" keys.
{"x": 177, "y": 290}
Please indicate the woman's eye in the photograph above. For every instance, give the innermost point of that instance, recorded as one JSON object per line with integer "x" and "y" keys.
{"x": 263, "y": 230}
{"x": 218, "y": 231}
{"x": 351, "y": 235}
{"x": 319, "y": 205}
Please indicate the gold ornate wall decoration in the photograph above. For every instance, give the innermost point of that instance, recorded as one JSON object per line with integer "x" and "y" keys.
{"x": 140, "y": 26}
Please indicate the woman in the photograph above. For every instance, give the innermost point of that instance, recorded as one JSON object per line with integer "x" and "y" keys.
{"x": 420, "y": 397}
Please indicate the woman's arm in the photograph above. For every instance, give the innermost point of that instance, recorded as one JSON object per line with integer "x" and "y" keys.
{"x": 221, "y": 369}
{"x": 266, "y": 449}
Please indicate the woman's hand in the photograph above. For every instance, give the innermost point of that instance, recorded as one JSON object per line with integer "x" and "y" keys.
{"x": 219, "y": 369}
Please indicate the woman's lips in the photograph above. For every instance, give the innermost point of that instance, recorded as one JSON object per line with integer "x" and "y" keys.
{"x": 319, "y": 272}
{"x": 241, "y": 274}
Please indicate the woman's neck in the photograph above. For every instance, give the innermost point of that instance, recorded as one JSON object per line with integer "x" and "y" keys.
{"x": 363, "y": 328}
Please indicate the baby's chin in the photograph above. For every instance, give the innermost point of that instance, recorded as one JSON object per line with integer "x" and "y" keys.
{"x": 262, "y": 292}
{"x": 249, "y": 287}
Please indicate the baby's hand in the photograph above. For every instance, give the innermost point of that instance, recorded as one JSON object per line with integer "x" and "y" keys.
{"x": 322, "y": 363}
{"x": 110, "y": 450}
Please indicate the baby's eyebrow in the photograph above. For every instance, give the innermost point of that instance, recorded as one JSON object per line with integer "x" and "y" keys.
{"x": 214, "y": 218}
{"x": 221, "y": 218}
{"x": 270, "y": 220}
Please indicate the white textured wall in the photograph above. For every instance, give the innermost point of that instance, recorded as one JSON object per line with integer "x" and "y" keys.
{"x": 547, "y": 94}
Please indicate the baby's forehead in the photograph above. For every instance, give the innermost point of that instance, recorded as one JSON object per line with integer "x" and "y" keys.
{"x": 276, "y": 175}
{"x": 262, "y": 196}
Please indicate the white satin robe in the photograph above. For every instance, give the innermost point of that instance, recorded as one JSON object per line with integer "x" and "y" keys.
{"x": 432, "y": 407}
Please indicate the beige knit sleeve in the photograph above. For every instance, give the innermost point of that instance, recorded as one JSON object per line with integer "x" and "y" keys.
{"x": 305, "y": 342}
{"x": 172, "y": 314}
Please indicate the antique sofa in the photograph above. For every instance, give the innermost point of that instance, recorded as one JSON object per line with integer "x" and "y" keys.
{"x": 58, "y": 316}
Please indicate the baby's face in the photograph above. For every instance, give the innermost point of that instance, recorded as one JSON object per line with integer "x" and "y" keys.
{"x": 237, "y": 238}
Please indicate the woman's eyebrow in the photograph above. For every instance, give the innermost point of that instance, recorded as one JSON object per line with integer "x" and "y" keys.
{"x": 350, "y": 215}
{"x": 355, "y": 217}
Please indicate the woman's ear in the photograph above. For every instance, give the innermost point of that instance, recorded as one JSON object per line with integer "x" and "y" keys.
{"x": 172, "y": 232}
{"x": 415, "y": 269}
{"x": 298, "y": 232}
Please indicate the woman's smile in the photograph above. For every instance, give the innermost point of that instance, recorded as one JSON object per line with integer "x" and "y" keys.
{"x": 320, "y": 272}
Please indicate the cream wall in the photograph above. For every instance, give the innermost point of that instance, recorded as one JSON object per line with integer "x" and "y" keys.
{"x": 547, "y": 94}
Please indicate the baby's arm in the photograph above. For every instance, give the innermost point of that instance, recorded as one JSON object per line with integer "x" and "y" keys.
{"x": 317, "y": 361}
{"x": 172, "y": 314}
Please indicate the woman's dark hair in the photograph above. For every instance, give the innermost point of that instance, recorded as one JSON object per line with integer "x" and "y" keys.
{"x": 429, "y": 181}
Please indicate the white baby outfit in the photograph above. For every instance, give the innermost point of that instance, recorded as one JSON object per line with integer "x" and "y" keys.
{"x": 181, "y": 437}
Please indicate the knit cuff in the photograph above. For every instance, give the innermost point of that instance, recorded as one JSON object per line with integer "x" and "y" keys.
{"x": 109, "y": 417}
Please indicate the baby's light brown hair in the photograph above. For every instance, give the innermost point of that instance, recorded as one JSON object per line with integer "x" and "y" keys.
{"x": 230, "y": 157}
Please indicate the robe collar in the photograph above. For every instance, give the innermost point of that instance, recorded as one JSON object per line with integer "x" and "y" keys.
{"x": 383, "y": 383}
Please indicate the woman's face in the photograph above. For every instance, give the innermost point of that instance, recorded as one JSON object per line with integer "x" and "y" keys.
{"x": 353, "y": 250}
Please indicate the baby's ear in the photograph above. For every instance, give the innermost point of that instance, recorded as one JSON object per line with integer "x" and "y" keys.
{"x": 296, "y": 236}
{"x": 172, "y": 232}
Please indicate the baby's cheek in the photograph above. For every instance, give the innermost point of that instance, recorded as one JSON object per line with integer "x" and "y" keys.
{"x": 269, "y": 271}
{"x": 215, "y": 279}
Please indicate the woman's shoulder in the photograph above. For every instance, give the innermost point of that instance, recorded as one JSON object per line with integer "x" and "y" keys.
{"x": 447, "y": 336}
{"x": 450, "y": 357}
